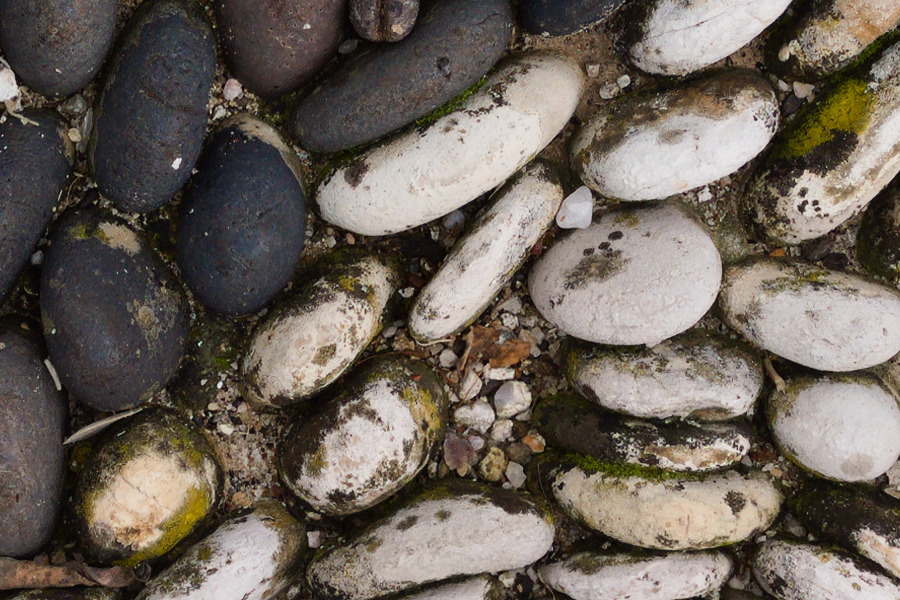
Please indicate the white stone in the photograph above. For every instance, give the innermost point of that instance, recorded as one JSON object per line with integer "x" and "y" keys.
{"x": 825, "y": 320}
{"x": 609, "y": 91}
{"x": 801, "y": 571}
{"x": 477, "y": 588}
{"x": 454, "y": 220}
{"x": 654, "y": 145}
{"x": 594, "y": 576}
{"x": 515, "y": 473}
{"x": 623, "y": 81}
{"x": 845, "y": 428}
{"x": 577, "y": 209}
{"x": 247, "y": 557}
{"x": 639, "y": 275}
{"x": 501, "y": 430}
{"x": 471, "y": 534}
{"x": 479, "y": 416}
{"x": 488, "y": 256}
{"x": 470, "y": 386}
{"x": 9, "y": 90}
{"x": 679, "y": 37}
{"x": 803, "y": 90}
{"x": 500, "y": 373}
{"x": 426, "y": 173}
{"x": 512, "y": 398}
{"x": 447, "y": 358}
{"x": 232, "y": 90}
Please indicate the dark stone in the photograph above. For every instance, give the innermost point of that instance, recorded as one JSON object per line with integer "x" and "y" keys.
{"x": 243, "y": 219}
{"x": 274, "y": 46}
{"x": 454, "y": 43}
{"x": 562, "y": 17}
{"x": 878, "y": 240}
{"x": 115, "y": 318}
{"x": 33, "y": 418}
{"x": 383, "y": 20}
{"x": 35, "y": 163}
{"x": 151, "y": 113}
{"x": 56, "y": 46}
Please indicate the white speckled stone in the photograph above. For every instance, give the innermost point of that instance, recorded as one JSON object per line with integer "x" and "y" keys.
{"x": 652, "y": 145}
{"x": 595, "y": 576}
{"x": 458, "y": 528}
{"x": 822, "y": 319}
{"x": 487, "y": 257}
{"x": 697, "y": 374}
{"x": 799, "y": 571}
{"x": 249, "y": 557}
{"x": 842, "y": 427}
{"x": 428, "y": 172}
{"x": 678, "y": 37}
{"x": 479, "y": 416}
{"x": 639, "y": 275}
{"x": 476, "y": 588}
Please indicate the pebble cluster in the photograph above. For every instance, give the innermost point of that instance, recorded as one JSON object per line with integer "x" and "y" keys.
{"x": 355, "y": 299}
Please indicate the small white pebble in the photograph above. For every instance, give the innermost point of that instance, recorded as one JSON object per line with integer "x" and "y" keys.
{"x": 609, "y": 91}
{"x": 515, "y": 473}
{"x": 501, "y": 430}
{"x": 454, "y": 219}
{"x": 37, "y": 258}
{"x": 577, "y": 210}
{"x": 74, "y": 135}
{"x": 213, "y": 407}
{"x": 476, "y": 442}
{"x": 232, "y": 90}
{"x": 504, "y": 374}
{"x": 225, "y": 429}
{"x": 219, "y": 113}
{"x": 478, "y": 416}
{"x": 704, "y": 195}
{"x": 176, "y": 164}
{"x": 407, "y": 292}
{"x": 512, "y": 304}
{"x": 389, "y": 331}
{"x": 784, "y": 86}
{"x": 784, "y": 53}
{"x": 508, "y": 578}
{"x": 448, "y": 358}
{"x": 470, "y": 386}
{"x": 509, "y": 320}
{"x": 512, "y": 398}
{"x": 8, "y": 88}
{"x": 592, "y": 70}
{"x": 803, "y": 90}
{"x": 314, "y": 539}
{"x": 623, "y": 82}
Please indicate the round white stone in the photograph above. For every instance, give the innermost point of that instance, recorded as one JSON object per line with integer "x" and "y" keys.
{"x": 479, "y": 416}
{"x": 512, "y": 398}
{"x": 577, "y": 209}
{"x": 426, "y": 173}
{"x": 638, "y": 275}
{"x": 842, "y": 428}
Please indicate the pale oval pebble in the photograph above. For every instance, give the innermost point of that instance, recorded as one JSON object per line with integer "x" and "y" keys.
{"x": 368, "y": 441}
{"x": 639, "y": 275}
{"x": 428, "y": 172}
{"x": 841, "y": 427}
{"x": 692, "y": 134}
{"x": 487, "y": 257}
{"x": 833, "y": 159}
{"x": 822, "y": 319}
{"x": 306, "y": 343}
{"x": 826, "y": 37}
{"x": 799, "y": 571}
{"x": 476, "y": 588}
{"x": 857, "y": 518}
{"x": 571, "y": 423}
{"x": 251, "y": 557}
{"x": 677, "y": 37}
{"x": 675, "y": 576}
{"x": 454, "y": 528}
{"x": 657, "y": 509}
{"x": 697, "y": 374}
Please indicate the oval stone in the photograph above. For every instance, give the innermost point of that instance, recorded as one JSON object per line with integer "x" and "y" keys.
{"x": 842, "y": 427}
{"x": 56, "y": 46}
{"x": 115, "y": 318}
{"x": 878, "y": 240}
{"x": 381, "y": 89}
{"x": 825, "y": 320}
{"x": 242, "y": 221}
{"x": 678, "y": 37}
{"x": 454, "y": 528}
{"x": 426, "y": 173}
{"x": 150, "y": 117}
{"x": 150, "y": 481}
{"x": 657, "y": 509}
{"x": 596, "y": 576}
{"x": 274, "y": 46}
{"x": 370, "y": 440}
{"x": 308, "y": 341}
{"x": 825, "y": 37}
{"x": 489, "y": 254}
{"x": 475, "y": 588}
{"x": 698, "y": 374}
{"x": 833, "y": 158}
{"x": 692, "y": 134}
{"x": 252, "y": 557}
{"x": 638, "y": 275}
{"x": 33, "y": 415}
{"x": 35, "y": 163}
{"x": 562, "y": 17}
{"x": 792, "y": 570}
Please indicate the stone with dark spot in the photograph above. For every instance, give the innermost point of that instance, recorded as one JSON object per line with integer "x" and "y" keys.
{"x": 274, "y": 46}
{"x": 151, "y": 111}
{"x": 35, "y": 162}
{"x": 115, "y": 318}
{"x": 56, "y": 46}
{"x": 562, "y": 17}
{"x": 33, "y": 416}
{"x": 385, "y": 87}
{"x": 243, "y": 219}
